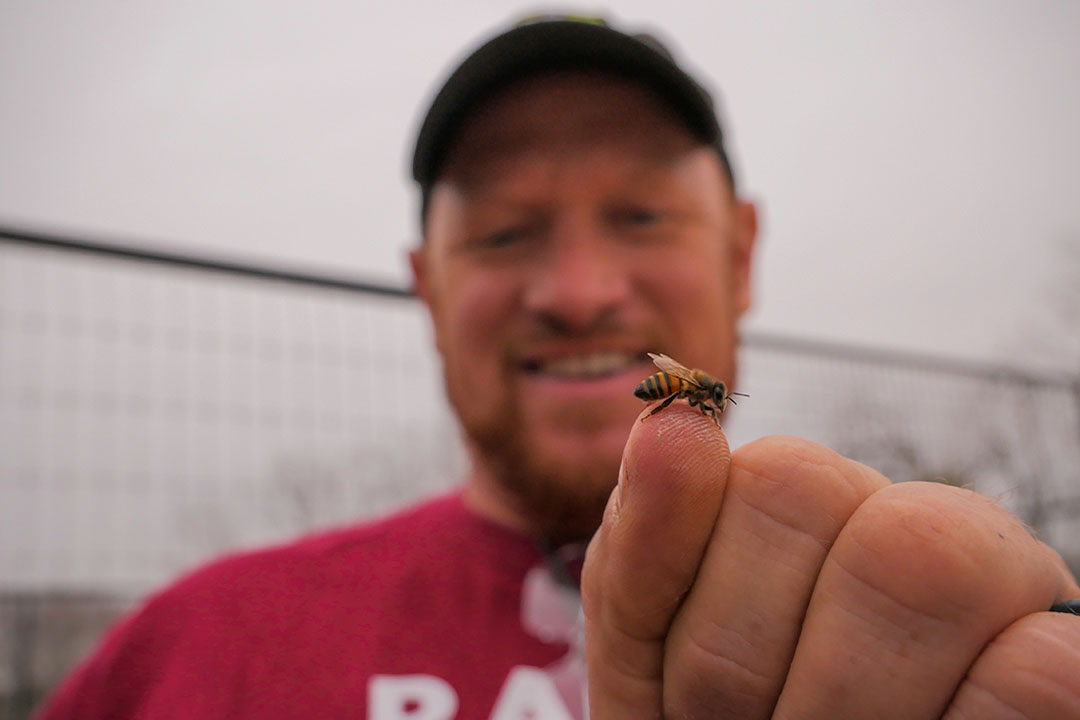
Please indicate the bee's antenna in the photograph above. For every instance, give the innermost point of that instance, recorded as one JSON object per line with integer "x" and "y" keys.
{"x": 739, "y": 394}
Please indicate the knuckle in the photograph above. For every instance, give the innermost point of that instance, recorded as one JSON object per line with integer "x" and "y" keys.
{"x": 612, "y": 599}
{"x": 709, "y": 681}
{"x": 1026, "y": 671}
{"x": 801, "y": 484}
{"x": 940, "y": 551}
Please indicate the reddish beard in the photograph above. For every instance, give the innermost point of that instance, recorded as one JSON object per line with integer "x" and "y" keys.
{"x": 563, "y": 498}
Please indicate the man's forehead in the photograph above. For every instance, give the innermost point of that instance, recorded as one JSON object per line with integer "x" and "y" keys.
{"x": 568, "y": 111}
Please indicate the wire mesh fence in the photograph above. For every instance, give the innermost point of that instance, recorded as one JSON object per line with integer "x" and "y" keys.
{"x": 158, "y": 409}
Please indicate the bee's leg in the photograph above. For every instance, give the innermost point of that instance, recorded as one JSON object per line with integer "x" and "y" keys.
{"x": 707, "y": 409}
{"x": 660, "y": 407}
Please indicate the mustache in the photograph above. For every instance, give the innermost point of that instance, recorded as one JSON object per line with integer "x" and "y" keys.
{"x": 543, "y": 343}
{"x": 608, "y": 321}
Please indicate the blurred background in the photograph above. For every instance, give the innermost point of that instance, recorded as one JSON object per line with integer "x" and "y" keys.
{"x": 204, "y": 211}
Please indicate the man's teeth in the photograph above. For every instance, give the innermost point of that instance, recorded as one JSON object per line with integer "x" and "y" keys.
{"x": 587, "y": 366}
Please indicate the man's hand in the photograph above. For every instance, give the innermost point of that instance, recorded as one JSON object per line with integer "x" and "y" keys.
{"x": 785, "y": 580}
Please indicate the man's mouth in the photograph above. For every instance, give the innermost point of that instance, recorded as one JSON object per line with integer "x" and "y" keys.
{"x": 586, "y": 366}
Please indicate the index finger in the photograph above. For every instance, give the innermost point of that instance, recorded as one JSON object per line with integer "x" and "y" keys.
{"x": 670, "y": 488}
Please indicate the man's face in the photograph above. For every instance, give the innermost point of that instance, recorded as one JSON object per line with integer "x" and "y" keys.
{"x": 577, "y": 226}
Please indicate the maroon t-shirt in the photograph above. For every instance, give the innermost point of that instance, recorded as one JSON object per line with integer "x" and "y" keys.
{"x": 431, "y": 614}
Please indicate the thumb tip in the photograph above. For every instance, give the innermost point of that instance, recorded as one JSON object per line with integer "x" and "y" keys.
{"x": 677, "y": 442}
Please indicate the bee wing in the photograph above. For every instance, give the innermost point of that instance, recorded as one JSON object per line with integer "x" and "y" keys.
{"x": 674, "y": 367}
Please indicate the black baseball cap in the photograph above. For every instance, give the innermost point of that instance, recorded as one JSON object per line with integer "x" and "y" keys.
{"x": 548, "y": 43}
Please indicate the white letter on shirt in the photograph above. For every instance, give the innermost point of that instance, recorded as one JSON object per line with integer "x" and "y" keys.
{"x": 410, "y": 697}
{"x": 529, "y": 693}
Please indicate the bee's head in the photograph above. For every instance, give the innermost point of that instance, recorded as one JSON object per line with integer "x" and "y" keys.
{"x": 719, "y": 394}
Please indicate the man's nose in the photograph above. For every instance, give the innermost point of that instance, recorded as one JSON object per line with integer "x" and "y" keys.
{"x": 580, "y": 283}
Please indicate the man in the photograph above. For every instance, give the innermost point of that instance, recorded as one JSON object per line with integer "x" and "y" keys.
{"x": 579, "y": 211}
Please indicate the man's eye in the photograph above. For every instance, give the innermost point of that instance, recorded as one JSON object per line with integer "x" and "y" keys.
{"x": 503, "y": 238}
{"x": 639, "y": 217}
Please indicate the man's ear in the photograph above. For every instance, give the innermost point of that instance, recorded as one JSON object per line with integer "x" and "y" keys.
{"x": 417, "y": 262}
{"x": 421, "y": 287}
{"x": 745, "y": 240}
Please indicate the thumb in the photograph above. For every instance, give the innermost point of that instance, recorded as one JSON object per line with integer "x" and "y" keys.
{"x": 646, "y": 553}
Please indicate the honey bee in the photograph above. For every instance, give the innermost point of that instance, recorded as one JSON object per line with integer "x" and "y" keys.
{"x": 675, "y": 380}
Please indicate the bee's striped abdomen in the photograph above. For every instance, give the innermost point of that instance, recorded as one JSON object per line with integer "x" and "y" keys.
{"x": 658, "y": 386}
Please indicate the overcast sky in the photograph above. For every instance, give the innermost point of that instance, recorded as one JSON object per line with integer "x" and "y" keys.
{"x": 917, "y": 163}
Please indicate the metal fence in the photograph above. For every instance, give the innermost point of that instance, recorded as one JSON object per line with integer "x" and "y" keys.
{"x": 158, "y": 408}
